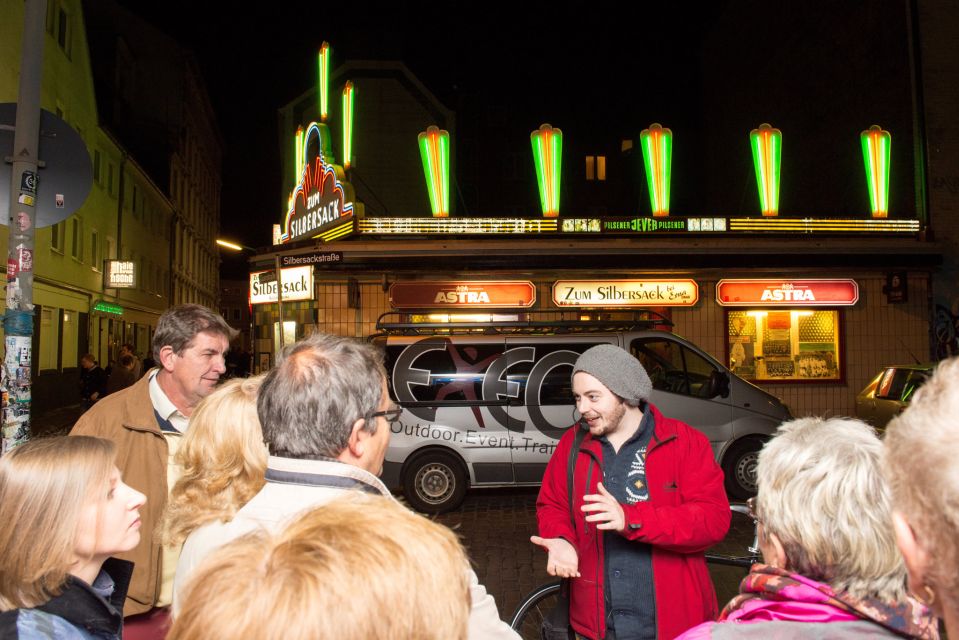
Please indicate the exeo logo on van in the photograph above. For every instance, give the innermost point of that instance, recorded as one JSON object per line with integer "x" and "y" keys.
{"x": 481, "y": 379}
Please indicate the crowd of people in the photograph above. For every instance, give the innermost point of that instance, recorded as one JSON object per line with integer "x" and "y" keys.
{"x": 181, "y": 507}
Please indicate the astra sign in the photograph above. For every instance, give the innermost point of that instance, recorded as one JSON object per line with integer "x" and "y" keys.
{"x": 787, "y": 293}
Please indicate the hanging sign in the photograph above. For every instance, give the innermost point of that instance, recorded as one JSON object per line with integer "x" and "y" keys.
{"x": 787, "y": 293}
{"x": 297, "y": 285}
{"x": 625, "y": 293}
{"x": 470, "y": 294}
{"x": 120, "y": 274}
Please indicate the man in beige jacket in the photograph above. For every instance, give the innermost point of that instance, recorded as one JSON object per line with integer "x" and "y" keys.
{"x": 146, "y": 421}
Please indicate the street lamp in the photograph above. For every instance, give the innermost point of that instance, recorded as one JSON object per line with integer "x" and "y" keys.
{"x": 239, "y": 248}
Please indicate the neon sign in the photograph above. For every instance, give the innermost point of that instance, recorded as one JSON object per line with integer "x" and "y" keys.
{"x": 766, "y": 144}
{"x": 318, "y": 200}
{"x": 548, "y": 157}
{"x": 324, "y": 79}
{"x": 657, "y": 144}
{"x": 435, "y": 153}
{"x": 349, "y": 93}
{"x": 876, "y": 146}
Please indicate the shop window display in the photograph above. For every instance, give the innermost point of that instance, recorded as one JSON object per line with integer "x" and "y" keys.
{"x": 784, "y": 345}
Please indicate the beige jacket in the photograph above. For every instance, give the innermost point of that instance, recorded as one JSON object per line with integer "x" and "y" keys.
{"x": 127, "y": 418}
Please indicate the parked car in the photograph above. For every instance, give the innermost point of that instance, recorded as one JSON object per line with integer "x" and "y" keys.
{"x": 889, "y": 393}
{"x": 487, "y": 406}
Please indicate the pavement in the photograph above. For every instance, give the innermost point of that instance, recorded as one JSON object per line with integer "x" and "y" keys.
{"x": 495, "y": 526}
{"x": 56, "y": 422}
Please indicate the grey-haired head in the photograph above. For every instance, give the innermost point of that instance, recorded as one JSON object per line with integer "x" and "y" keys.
{"x": 618, "y": 370}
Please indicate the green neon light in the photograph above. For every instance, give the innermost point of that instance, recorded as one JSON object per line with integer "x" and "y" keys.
{"x": 657, "y": 144}
{"x": 324, "y": 63}
{"x": 349, "y": 94}
{"x": 876, "y": 147}
{"x": 298, "y": 157}
{"x": 766, "y": 143}
{"x": 435, "y": 153}
{"x": 547, "y": 144}
{"x": 106, "y": 307}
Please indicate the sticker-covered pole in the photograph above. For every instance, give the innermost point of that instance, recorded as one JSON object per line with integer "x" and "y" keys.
{"x": 24, "y": 186}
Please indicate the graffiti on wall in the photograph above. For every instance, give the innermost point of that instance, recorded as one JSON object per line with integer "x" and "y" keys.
{"x": 945, "y": 328}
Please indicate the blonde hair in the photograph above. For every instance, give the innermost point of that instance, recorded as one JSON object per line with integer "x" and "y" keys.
{"x": 223, "y": 461}
{"x": 358, "y": 568}
{"x": 44, "y": 486}
{"x": 922, "y": 464}
{"x": 822, "y": 493}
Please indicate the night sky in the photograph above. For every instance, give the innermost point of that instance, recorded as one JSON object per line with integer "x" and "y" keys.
{"x": 618, "y": 68}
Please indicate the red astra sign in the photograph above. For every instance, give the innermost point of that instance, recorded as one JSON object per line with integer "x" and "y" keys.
{"x": 470, "y": 294}
{"x": 787, "y": 293}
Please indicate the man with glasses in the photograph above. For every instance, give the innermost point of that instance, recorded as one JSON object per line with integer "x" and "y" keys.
{"x": 325, "y": 413}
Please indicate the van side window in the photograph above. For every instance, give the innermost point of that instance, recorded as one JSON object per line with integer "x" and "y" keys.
{"x": 672, "y": 367}
{"x": 556, "y": 387}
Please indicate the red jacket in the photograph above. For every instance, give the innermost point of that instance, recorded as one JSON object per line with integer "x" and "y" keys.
{"x": 686, "y": 513}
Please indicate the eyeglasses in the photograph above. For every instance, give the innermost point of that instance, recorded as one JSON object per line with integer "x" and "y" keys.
{"x": 390, "y": 415}
{"x": 751, "y": 509}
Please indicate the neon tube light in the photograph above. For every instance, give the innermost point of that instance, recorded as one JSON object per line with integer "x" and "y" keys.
{"x": 324, "y": 64}
{"x": 435, "y": 153}
{"x": 766, "y": 144}
{"x": 349, "y": 93}
{"x": 547, "y": 145}
{"x": 298, "y": 159}
{"x": 876, "y": 146}
{"x": 657, "y": 144}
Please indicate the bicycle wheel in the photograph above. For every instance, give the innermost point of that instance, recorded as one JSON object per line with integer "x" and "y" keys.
{"x": 527, "y": 620}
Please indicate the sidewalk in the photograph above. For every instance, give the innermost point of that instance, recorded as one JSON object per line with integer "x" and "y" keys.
{"x": 56, "y": 422}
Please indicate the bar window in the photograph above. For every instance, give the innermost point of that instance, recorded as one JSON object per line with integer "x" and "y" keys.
{"x": 785, "y": 345}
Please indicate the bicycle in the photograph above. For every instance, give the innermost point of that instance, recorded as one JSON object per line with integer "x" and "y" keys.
{"x": 527, "y": 619}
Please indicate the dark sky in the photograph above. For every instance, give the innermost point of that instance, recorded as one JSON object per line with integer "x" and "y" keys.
{"x": 649, "y": 58}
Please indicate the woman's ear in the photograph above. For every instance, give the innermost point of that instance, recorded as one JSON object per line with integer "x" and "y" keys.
{"x": 913, "y": 554}
{"x": 772, "y": 549}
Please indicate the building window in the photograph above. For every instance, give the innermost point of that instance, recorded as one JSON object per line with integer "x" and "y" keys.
{"x": 57, "y": 236}
{"x": 70, "y": 332}
{"x": 96, "y": 165}
{"x": 595, "y": 167}
{"x": 63, "y": 31}
{"x": 110, "y": 246}
{"x": 134, "y": 205}
{"x": 110, "y": 178}
{"x": 785, "y": 345}
{"x": 76, "y": 239}
{"x": 95, "y": 250}
{"x": 627, "y": 145}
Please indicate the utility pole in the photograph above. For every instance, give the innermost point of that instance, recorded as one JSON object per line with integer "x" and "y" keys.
{"x": 24, "y": 186}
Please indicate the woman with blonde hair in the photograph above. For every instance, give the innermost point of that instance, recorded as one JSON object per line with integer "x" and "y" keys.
{"x": 831, "y": 568}
{"x": 65, "y": 512}
{"x": 922, "y": 464}
{"x": 358, "y": 568}
{"x": 223, "y": 462}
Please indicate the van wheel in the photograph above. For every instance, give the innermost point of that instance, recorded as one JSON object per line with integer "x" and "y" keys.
{"x": 434, "y": 482}
{"x": 739, "y": 467}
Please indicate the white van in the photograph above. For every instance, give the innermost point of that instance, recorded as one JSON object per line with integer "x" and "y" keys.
{"x": 486, "y": 403}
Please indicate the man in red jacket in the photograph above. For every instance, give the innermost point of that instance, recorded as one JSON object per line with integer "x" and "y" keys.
{"x": 647, "y": 500}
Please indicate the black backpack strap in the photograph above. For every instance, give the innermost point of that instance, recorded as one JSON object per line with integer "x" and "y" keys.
{"x": 571, "y": 467}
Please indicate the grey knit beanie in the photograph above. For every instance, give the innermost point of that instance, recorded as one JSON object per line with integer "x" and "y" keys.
{"x": 618, "y": 370}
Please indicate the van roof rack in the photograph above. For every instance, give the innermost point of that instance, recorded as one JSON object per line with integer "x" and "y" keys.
{"x": 414, "y": 322}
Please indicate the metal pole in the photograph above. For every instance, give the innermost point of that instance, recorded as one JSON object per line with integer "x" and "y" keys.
{"x": 24, "y": 186}
{"x": 279, "y": 301}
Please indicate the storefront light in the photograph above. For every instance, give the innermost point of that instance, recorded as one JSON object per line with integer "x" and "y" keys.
{"x": 435, "y": 153}
{"x": 548, "y": 159}
{"x": 876, "y": 146}
{"x": 766, "y": 143}
{"x": 657, "y": 144}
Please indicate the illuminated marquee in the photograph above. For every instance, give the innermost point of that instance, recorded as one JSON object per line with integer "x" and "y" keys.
{"x": 625, "y": 293}
{"x": 787, "y": 293}
{"x": 462, "y": 293}
{"x": 120, "y": 274}
{"x": 455, "y": 226}
{"x": 319, "y": 200}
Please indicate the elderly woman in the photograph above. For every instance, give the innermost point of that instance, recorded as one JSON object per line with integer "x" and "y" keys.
{"x": 922, "y": 465}
{"x": 824, "y": 530}
{"x": 64, "y": 512}
{"x": 224, "y": 462}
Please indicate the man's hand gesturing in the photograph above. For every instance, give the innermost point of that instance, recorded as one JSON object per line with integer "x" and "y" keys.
{"x": 562, "y": 561}
{"x": 604, "y": 509}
